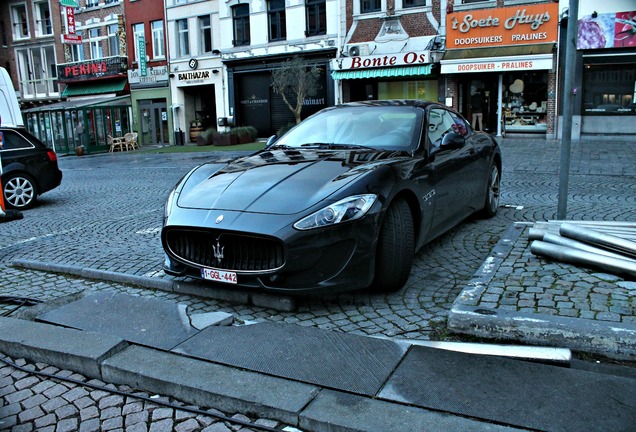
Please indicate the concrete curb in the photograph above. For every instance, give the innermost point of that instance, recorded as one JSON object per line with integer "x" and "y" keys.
{"x": 225, "y": 388}
{"x": 614, "y": 340}
{"x": 277, "y": 302}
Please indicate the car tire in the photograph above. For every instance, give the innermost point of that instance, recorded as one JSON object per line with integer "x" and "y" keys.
{"x": 395, "y": 249}
{"x": 493, "y": 191}
{"x": 19, "y": 191}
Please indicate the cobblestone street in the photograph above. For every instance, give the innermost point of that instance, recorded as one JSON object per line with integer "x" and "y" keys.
{"x": 107, "y": 216}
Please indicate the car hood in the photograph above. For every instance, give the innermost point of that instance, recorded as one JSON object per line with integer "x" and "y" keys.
{"x": 277, "y": 181}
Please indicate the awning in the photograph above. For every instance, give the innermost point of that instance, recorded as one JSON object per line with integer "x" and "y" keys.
{"x": 101, "y": 87}
{"x": 83, "y": 103}
{"x": 391, "y": 72}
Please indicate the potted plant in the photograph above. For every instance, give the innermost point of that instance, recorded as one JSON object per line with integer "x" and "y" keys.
{"x": 246, "y": 134}
{"x": 206, "y": 137}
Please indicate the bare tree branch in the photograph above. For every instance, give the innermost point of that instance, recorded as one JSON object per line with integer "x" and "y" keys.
{"x": 295, "y": 81}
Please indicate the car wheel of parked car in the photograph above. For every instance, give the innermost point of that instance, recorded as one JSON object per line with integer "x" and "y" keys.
{"x": 396, "y": 246}
{"x": 20, "y": 191}
{"x": 493, "y": 192}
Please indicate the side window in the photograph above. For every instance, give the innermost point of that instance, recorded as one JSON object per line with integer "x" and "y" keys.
{"x": 14, "y": 141}
{"x": 459, "y": 125}
{"x": 440, "y": 122}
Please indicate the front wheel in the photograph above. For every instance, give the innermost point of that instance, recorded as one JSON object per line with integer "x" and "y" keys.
{"x": 493, "y": 192}
{"x": 396, "y": 246}
{"x": 20, "y": 191}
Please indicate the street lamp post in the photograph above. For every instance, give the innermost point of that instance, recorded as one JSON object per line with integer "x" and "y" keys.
{"x": 568, "y": 103}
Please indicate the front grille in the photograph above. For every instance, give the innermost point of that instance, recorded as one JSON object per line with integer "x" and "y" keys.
{"x": 226, "y": 251}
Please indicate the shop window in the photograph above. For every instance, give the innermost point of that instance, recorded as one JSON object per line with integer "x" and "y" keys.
{"x": 277, "y": 21}
{"x": 421, "y": 90}
{"x": 525, "y": 101}
{"x": 368, "y": 6}
{"x": 241, "y": 22}
{"x": 609, "y": 89}
{"x": 316, "y": 12}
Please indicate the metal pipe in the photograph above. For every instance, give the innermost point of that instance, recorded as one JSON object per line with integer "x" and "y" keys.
{"x": 536, "y": 233}
{"x": 564, "y": 241}
{"x": 599, "y": 239}
{"x": 573, "y": 256}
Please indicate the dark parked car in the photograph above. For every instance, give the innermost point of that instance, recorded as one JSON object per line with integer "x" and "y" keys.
{"x": 340, "y": 202}
{"x": 29, "y": 168}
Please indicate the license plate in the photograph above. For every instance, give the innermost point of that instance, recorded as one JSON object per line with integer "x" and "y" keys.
{"x": 218, "y": 275}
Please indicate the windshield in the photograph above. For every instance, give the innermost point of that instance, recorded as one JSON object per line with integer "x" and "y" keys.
{"x": 377, "y": 127}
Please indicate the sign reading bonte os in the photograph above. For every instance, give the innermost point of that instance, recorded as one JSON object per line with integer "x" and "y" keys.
{"x": 402, "y": 59}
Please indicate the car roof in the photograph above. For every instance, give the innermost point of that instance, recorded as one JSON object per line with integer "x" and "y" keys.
{"x": 394, "y": 102}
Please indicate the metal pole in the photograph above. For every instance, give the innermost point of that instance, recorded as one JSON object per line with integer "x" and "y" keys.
{"x": 568, "y": 100}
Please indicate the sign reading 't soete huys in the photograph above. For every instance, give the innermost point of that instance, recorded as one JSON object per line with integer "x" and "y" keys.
{"x": 518, "y": 25}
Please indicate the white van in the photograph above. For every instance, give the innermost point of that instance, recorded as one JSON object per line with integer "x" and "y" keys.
{"x": 10, "y": 114}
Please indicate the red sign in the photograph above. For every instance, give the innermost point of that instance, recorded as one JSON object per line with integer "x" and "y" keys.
{"x": 72, "y": 39}
{"x": 70, "y": 20}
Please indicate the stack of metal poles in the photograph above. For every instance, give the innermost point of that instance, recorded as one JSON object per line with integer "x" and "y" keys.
{"x": 606, "y": 246}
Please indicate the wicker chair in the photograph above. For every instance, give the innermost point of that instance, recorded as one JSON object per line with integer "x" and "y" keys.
{"x": 117, "y": 143}
{"x": 131, "y": 141}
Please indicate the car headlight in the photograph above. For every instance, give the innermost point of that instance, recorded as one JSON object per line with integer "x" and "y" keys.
{"x": 345, "y": 210}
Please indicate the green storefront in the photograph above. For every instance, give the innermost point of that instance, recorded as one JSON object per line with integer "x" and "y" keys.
{"x": 87, "y": 123}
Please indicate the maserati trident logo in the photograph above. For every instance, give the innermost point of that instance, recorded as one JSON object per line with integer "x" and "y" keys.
{"x": 218, "y": 252}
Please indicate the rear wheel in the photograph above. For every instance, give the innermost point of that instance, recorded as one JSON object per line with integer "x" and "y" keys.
{"x": 20, "y": 191}
{"x": 492, "y": 193}
{"x": 396, "y": 246}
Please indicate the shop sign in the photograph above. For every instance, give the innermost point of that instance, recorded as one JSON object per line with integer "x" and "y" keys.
{"x": 385, "y": 60}
{"x": 254, "y": 100}
{"x": 99, "y": 68}
{"x": 70, "y": 20}
{"x": 517, "y": 25}
{"x": 202, "y": 76}
{"x": 607, "y": 30}
{"x": 154, "y": 75}
{"x": 72, "y": 39}
{"x": 498, "y": 64}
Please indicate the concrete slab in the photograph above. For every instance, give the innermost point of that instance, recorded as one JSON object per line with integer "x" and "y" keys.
{"x": 217, "y": 386}
{"x": 203, "y": 320}
{"x": 141, "y": 320}
{"x": 62, "y": 347}
{"x": 343, "y": 412}
{"x": 336, "y": 360}
{"x": 523, "y": 394}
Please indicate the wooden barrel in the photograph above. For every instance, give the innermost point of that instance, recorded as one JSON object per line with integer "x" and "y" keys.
{"x": 195, "y": 131}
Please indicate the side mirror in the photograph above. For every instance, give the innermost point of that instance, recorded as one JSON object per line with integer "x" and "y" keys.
{"x": 270, "y": 141}
{"x": 453, "y": 140}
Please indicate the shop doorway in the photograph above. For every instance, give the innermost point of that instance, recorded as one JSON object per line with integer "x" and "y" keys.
{"x": 153, "y": 116}
{"x": 480, "y": 90}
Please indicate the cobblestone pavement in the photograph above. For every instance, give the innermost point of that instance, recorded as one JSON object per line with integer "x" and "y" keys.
{"x": 107, "y": 215}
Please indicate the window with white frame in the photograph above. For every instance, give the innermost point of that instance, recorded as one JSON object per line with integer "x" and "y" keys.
{"x": 183, "y": 38}
{"x": 113, "y": 40}
{"x": 316, "y": 11}
{"x": 77, "y": 51}
{"x": 20, "y": 21}
{"x": 277, "y": 20}
{"x": 95, "y": 43}
{"x": 368, "y": 6}
{"x": 92, "y": 3}
{"x": 36, "y": 71}
{"x": 413, "y": 3}
{"x": 138, "y": 31}
{"x": 205, "y": 34}
{"x": 43, "y": 19}
{"x": 158, "y": 50}
{"x": 241, "y": 22}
